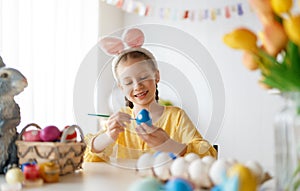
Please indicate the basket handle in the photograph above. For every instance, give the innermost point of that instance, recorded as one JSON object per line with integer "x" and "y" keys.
{"x": 24, "y": 129}
{"x": 71, "y": 128}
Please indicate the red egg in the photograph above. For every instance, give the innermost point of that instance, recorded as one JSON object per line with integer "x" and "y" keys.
{"x": 31, "y": 135}
{"x": 50, "y": 133}
{"x": 31, "y": 172}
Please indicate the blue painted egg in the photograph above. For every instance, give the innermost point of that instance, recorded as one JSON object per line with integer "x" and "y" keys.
{"x": 147, "y": 184}
{"x": 144, "y": 117}
{"x": 178, "y": 184}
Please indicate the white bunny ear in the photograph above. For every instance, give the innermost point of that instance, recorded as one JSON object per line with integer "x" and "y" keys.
{"x": 111, "y": 45}
{"x": 134, "y": 38}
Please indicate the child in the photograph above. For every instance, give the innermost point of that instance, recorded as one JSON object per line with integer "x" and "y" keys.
{"x": 136, "y": 72}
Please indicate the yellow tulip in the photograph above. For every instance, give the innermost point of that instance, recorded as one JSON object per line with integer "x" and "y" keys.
{"x": 292, "y": 28}
{"x": 281, "y": 6}
{"x": 241, "y": 38}
{"x": 249, "y": 61}
{"x": 274, "y": 38}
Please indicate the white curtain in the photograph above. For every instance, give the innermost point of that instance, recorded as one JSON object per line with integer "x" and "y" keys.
{"x": 47, "y": 40}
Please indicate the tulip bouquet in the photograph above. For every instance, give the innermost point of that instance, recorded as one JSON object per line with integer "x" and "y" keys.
{"x": 275, "y": 51}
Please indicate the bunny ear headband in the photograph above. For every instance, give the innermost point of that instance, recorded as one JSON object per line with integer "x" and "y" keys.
{"x": 133, "y": 38}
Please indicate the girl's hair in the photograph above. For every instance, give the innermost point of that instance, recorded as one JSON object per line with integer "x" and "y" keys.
{"x": 137, "y": 54}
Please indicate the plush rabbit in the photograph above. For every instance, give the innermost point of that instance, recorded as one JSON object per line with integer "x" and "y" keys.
{"x": 12, "y": 82}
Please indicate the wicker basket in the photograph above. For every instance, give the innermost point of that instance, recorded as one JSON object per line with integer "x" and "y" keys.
{"x": 68, "y": 155}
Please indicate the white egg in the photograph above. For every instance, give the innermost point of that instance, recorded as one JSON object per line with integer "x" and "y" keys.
{"x": 144, "y": 164}
{"x": 256, "y": 169}
{"x": 190, "y": 157}
{"x": 209, "y": 160}
{"x": 231, "y": 161}
{"x": 161, "y": 165}
{"x": 198, "y": 173}
{"x": 179, "y": 168}
{"x": 218, "y": 170}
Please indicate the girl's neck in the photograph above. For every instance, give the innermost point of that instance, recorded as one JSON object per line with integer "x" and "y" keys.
{"x": 152, "y": 107}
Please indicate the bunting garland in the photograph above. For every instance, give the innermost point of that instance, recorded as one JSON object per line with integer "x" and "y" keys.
{"x": 142, "y": 9}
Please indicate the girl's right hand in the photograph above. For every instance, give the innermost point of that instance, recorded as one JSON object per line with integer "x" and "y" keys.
{"x": 116, "y": 124}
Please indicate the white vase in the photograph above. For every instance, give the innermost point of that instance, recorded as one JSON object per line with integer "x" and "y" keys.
{"x": 287, "y": 137}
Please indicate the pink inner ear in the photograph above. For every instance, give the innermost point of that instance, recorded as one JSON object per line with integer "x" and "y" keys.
{"x": 134, "y": 37}
{"x": 111, "y": 45}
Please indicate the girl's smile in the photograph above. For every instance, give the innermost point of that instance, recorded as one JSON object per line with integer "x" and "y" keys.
{"x": 141, "y": 95}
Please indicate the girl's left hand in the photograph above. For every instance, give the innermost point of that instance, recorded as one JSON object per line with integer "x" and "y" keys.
{"x": 153, "y": 136}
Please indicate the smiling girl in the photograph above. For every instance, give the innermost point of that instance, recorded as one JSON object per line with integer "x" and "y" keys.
{"x": 136, "y": 73}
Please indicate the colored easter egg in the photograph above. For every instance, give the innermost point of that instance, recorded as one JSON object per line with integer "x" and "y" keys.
{"x": 246, "y": 179}
{"x": 31, "y": 135}
{"x": 72, "y": 134}
{"x": 31, "y": 171}
{"x": 256, "y": 169}
{"x": 50, "y": 133}
{"x": 49, "y": 172}
{"x": 178, "y": 184}
{"x": 146, "y": 184}
{"x": 144, "y": 117}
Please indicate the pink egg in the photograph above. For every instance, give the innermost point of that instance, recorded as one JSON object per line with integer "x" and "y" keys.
{"x": 31, "y": 135}
{"x": 50, "y": 133}
{"x": 134, "y": 37}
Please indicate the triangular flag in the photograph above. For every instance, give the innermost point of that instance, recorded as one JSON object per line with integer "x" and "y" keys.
{"x": 227, "y": 12}
{"x": 240, "y": 10}
{"x": 186, "y": 14}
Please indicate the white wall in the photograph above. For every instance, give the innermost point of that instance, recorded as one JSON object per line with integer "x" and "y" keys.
{"x": 247, "y": 132}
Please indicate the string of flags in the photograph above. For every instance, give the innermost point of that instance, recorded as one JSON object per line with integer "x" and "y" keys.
{"x": 201, "y": 14}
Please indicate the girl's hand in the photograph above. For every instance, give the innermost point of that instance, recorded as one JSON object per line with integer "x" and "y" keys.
{"x": 153, "y": 136}
{"x": 159, "y": 140}
{"x": 116, "y": 124}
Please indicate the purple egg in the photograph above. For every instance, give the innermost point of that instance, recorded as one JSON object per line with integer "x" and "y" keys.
{"x": 50, "y": 133}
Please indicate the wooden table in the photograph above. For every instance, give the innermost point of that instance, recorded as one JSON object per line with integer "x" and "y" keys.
{"x": 100, "y": 176}
{"x": 93, "y": 177}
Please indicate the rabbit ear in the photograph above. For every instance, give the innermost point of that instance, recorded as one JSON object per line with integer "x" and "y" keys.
{"x": 111, "y": 45}
{"x": 1, "y": 62}
{"x": 134, "y": 38}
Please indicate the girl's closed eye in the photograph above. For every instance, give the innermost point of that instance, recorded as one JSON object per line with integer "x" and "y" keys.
{"x": 127, "y": 83}
{"x": 144, "y": 78}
